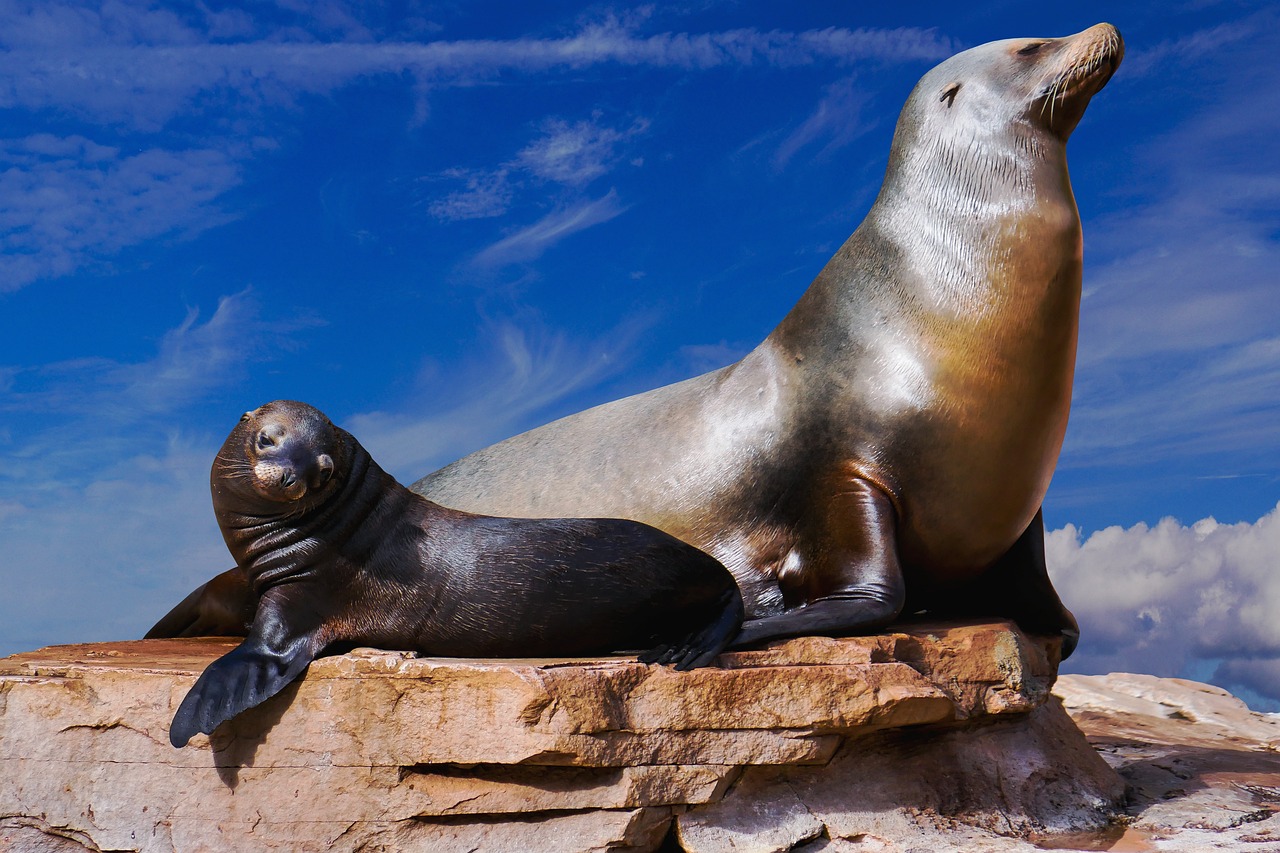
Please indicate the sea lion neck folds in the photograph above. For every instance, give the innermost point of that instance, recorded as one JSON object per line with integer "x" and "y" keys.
{"x": 287, "y": 482}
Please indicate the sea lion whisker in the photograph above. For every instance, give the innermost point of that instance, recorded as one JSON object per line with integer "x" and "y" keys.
{"x": 1044, "y": 89}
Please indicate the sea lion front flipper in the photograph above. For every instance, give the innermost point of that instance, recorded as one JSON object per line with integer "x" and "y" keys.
{"x": 1017, "y": 587}
{"x": 859, "y": 586}
{"x": 271, "y": 656}
{"x": 701, "y": 647}
{"x": 222, "y": 607}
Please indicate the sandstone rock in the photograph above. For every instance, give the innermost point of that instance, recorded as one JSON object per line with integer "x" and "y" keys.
{"x": 1203, "y": 770}
{"x": 379, "y": 750}
{"x": 1033, "y": 774}
{"x": 1172, "y": 709}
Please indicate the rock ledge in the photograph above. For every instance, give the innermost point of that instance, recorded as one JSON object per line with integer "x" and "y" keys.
{"x": 810, "y": 742}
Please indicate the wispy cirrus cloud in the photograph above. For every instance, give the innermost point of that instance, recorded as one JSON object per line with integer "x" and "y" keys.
{"x": 104, "y": 482}
{"x": 571, "y": 154}
{"x": 530, "y": 242}
{"x": 141, "y": 66}
{"x": 486, "y": 193}
{"x": 1179, "y": 355}
{"x": 836, "y": 121}
{"x": 1190, "y": 47}
{"x": 133, "y": 71}
{"x": 576, "y": 153}
{"x": 515, "y": 383}
{"x": 67, "y": 414}
{"x": 67, "y": 201}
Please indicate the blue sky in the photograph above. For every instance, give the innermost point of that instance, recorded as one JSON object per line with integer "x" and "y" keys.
{"x": 445, "y": 223}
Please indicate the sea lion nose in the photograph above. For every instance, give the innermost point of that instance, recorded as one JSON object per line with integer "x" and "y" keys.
{"x": 1105, "y": 38}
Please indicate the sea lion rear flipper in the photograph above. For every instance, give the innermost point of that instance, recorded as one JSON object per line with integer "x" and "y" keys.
{"x": 222, "y": 607}
{"x": 859, "y": 587}
{"x": 701, "y": 647}
{"x": 273, "y": 655}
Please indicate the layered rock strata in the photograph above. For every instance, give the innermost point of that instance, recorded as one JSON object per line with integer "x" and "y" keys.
{"x": 810, "y": 742}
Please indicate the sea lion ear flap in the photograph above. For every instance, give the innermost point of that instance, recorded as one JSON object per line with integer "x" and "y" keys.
{"x": 949, "y": 93}
{"x": 324, "y": 470}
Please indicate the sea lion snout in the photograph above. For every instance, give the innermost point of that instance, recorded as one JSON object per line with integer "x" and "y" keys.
{"x": 1085, "y": 64}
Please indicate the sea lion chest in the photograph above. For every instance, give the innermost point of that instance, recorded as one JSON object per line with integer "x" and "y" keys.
{"x": 992, "y": 336}
{"x": 947, "y": 383}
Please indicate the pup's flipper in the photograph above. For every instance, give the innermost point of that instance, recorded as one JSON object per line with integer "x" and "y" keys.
{"x": 701, "y": 647}
{"x": 276, "y": 651}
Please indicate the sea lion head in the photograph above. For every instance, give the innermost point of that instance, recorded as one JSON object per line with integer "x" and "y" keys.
{"x": 280, "y": 456}
{"x": 1044, "y": 83}
{"x": 983, "y": 134}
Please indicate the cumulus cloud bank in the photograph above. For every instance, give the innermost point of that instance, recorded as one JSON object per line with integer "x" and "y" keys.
{"x": 1176, "y": 600}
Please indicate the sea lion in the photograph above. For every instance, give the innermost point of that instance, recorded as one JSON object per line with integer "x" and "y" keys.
{"x": 337, "y": 553}
{"x": 887, "y": 448}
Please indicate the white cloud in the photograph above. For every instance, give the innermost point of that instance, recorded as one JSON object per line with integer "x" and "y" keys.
{"x": 76, "y": 414}
{"x": 837, "y": 119}
{"x": 71, "y": 203}
{"x": 68, "y": 201}
{"x": 130, "y": 64}
{"x": 103, "y": 496}
{"x": 487, "y": 194}
{"x": 1179, "y": 353}
{"x": 575, "y": 154}
{"x": 106, "y": 559}
{"x": 108, "y": 502}
{"x": 529, "y": 243}
{"x": 1197, "y": 45}
{"x": 192, "y": 359}
{"x": 1172, "y": 599}
{"x": 571, "y": 154}
{"x": 526, "y": 373}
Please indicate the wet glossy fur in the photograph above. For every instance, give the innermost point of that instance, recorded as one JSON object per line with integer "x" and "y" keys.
{"x": 336, "y": 552}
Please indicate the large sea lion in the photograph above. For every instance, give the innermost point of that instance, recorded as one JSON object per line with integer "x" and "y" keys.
{"x": 336, "y": 552}
{"x": 888, "y": 446}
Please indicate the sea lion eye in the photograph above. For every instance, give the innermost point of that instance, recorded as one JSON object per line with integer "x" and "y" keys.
{"x": 265, "y": 441}
{"x": 1031, "y": 48}
{"x": 949, "y": 94}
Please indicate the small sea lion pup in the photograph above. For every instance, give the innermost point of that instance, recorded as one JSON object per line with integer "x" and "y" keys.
{"x": 887, "y": 448}
{"x": 337, "y": 553}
